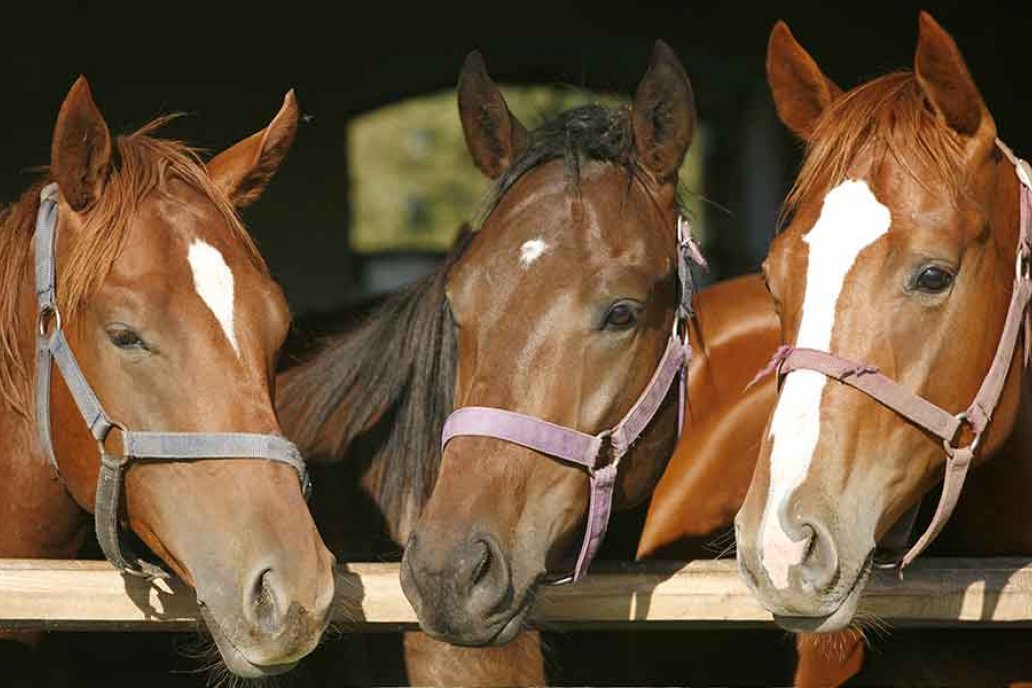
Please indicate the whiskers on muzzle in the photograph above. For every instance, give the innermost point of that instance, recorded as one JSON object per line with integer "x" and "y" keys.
{"x": 723, "y": 545}
{"x": 202, "y": 649}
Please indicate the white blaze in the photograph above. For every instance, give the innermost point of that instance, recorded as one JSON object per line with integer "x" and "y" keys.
{"x": 213, "y": 281}
{"x": 531, "y": 251}
{"x": 851, "y": 220}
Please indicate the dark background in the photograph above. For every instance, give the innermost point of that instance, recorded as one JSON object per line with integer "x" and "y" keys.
{"x": 229, "y": 66}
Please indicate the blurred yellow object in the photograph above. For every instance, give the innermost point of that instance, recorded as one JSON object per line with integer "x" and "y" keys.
{"x": 413, "y": 183}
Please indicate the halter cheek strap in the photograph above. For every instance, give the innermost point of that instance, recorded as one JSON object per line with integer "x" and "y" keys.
{"x": 52, "y": 347}
{"x": 599, "y": 454}
{"x": 920, "y": 411}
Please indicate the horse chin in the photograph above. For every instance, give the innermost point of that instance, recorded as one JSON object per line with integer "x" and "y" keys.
{"x": 234, "y": 659}
{"x": 838, "y": 620}
{"x": 511, "y": 628}
{"x": 498, "y": 633}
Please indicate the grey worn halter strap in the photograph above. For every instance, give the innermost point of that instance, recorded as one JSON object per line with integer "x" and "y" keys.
{"x": 598, "y": 454}
{"x": 943, "y": 424}
{"x": 52, "y": 347}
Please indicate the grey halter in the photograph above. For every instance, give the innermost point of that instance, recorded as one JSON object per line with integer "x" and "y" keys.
{"x": 52, "y": 346}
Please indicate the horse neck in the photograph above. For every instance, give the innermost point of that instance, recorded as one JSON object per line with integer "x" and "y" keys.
{"x": 736, "y": 332}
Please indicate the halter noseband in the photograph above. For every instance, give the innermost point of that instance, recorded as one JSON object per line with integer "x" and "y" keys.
{"x": 52, "y": 346}
{"x": 920, "y": 411}
{"x": 599, "y": 454}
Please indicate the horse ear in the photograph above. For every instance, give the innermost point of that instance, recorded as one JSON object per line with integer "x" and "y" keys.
{"x": 493, "y": 134}
{"x": 663, "y": 115}
{"x": 801, "y": 91}
{"x": 244, "y": 169}
{"x": 944, "y": 77}
{"x": 80, "y": 154}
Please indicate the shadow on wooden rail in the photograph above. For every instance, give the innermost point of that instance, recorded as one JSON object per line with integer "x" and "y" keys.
{"x": 90, "y": 595}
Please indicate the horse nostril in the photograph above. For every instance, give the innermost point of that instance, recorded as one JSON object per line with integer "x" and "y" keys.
{"x": 481, "y": 567}
{"x": 811, "y": 541}
{"x": 820, "y": 566}
{"x": 486, "y": 572}
{"x": 264, "y": 605}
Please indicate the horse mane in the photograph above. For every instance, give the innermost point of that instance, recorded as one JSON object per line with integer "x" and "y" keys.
{"x": 575, "y": 136}
{"x": 399, "y": 366}
{"x": 141, "y": 165}
{"x": 888, "y": 116}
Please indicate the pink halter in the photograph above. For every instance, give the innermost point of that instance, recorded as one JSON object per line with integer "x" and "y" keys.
{"x": 920, "y": 411}
{"x": 600, "y": 454}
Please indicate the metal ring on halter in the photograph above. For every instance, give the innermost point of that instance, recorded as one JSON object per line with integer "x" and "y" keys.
{"x": 605, "y": 451}
{"x": 964, "y": 420}
{"x": 49, "y": 314}
{"x": 1023, "y": 262}
{"x": 123, "y": 458}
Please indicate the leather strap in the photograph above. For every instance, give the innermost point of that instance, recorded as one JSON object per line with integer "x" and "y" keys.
{"x": 920, "y": 411}
{"x": 599, "y": 454}
{"x": 52, "y": 347}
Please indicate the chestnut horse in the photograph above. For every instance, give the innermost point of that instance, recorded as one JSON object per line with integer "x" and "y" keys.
{"x": 175, "y": 323}
{"x": 905, "y": 223}
{"x": 581, "y": 231}
{"x": 994, "y": 499}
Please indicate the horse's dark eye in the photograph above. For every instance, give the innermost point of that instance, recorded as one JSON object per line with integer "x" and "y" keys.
{"x": 933, "y": 279}
{"x": 125, "y": 338}
{"x": 622, "y": 315}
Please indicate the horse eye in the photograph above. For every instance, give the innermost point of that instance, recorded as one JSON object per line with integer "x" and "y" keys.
{"x": 934, "y": 279}
{"x": 125, "y": 338}
{"x": 622, "y": 315}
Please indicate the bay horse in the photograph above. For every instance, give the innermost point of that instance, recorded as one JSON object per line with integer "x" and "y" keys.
{"x": 563, "y": 307}
{"x": 580, "y": 230}
{"x": 167, "y": 319}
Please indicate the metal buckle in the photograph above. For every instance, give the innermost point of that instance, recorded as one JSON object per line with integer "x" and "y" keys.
{"x": 973, "y": 447}
{"x": 49, "y": 315}
{"x": 604, "y": 457}
{"x": 1023, "y": 261}
{"x": 122, "y": 458}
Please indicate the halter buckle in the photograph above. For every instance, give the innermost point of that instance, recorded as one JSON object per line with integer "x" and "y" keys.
{"x": 49, "y": 315}
{"x": 962, "y": 417}
{"x": 122, "y": 458}
{"x": 604, "y": 457}
{"x": 1023, "y": 261}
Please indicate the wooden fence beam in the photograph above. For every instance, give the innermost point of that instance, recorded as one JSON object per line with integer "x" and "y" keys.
{"x": 89, "y": 595}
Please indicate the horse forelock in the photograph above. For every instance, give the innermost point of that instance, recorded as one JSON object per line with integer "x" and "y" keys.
{"x": 142, "y": 165}
{"x": 888, "y": 117}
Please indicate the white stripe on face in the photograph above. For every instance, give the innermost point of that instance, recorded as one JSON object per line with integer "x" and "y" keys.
{"x": 213, "y": 281}
{"x": 851, "y": 220}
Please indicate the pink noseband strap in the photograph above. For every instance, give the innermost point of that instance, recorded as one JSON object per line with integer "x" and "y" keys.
{"x": 600, "y": 454}
{"x": 920, "y": 411}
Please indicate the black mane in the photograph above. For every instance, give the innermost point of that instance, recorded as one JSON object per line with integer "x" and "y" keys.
{"x": 581, "y": 134}
{"x": 400, "y": 363}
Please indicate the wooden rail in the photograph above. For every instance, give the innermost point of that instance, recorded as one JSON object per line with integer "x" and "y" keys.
{"x": 87, "y": 595}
